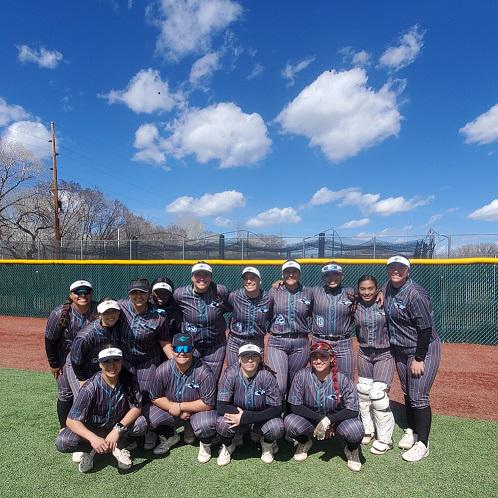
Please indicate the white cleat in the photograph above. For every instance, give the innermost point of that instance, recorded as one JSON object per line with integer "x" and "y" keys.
{"x": 123, "y": 458}
{"x": 204, "y": 454}
{"x": 408, "y": 440}
{"x": 379, "y": 448}
{"x": 267, "y": 451}
{"x": 86, "y": 462}
{"x": 416, "y": 452}
{"x": 165, "y": 444}
{"x": 225, "y": 455}
{"x": 367, "y": 439}
{"x": 150, "y": 440}
{"x": 302, "y": 449}
{"x": 353, "y": 457}
{"x": 77, "y": 456}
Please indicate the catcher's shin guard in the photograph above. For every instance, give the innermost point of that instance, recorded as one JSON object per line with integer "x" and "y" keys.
{"x": 363, "y": 387}
{"x": 383, "y": 417}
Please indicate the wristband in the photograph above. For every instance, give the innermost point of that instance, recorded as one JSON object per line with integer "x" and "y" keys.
{"x": 119, "y": 428}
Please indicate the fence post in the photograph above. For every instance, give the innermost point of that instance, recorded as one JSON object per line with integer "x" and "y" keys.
{"x": 321, "y": 245}
{"x": 183, "y": 248}
{"x": 221, "y": 246}
{"x": 333, "y": 244}
{"x": 242, "y": 247}
{"x": 449, "y": 246}
{"x": 130, "y": 248}
{"x": 81, "y": 248}
{"x": 375, "y": 240}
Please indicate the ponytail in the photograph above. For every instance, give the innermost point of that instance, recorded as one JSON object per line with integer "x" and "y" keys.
{"x": 335, "y": 382}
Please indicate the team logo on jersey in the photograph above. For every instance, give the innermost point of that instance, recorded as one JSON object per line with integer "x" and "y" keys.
{"x": 305, "y": 301}
{"x": 346, "y": 302}
{"x": 320, "y": 321}
{"x": 259, "y": 392}
{"x": 381, "y": 312}
{"x": 193, "y": 385}
{"x": 399, "y": 304}
{"x": 237, "y": 326}
{"x": 280, "y": 320}
{"x": 332, "y": 396}
{"x": 263, "y": 309}
{"x": 190, "y": 327}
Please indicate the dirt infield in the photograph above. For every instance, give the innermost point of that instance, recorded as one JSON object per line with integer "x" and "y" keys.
{"x": 466, "y": 385}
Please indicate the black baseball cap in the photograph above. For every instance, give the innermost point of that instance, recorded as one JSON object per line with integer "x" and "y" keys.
{"x": 182, "y": 343}
{"x": 140, "y": 284}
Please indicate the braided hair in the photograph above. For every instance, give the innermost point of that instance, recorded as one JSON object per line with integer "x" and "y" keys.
{"x": 324, "y": 346}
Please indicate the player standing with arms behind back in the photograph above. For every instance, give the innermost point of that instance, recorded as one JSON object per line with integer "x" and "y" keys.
{"x": 417, "y": 352}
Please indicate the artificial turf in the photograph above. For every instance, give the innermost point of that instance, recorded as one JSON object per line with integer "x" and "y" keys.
{"x": 463, "y": 461}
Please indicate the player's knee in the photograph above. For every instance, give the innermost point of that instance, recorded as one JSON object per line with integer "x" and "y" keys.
{"x": 363, "y": 387}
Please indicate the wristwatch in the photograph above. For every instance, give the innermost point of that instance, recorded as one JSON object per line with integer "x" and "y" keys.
{"x": 119, "y": 428}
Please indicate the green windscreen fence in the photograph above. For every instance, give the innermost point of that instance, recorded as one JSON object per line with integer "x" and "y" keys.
{"x": 464, "y": 296}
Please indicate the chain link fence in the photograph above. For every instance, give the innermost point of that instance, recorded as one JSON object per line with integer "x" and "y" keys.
{"x": 464, "y": 296}
{"x": 242, "y": 246}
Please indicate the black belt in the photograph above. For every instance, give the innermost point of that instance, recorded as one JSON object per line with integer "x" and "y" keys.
{"x": 246, "y": 337}
{"x": 332, "y": 337}
{"x": 292, "y": 335}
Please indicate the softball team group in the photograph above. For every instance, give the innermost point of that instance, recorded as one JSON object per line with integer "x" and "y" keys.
{"x": 144, "y": 366}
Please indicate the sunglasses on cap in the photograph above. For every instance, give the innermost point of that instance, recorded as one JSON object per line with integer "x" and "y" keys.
{"x": 82, "y": 291}
{"x": 182, "y": 349}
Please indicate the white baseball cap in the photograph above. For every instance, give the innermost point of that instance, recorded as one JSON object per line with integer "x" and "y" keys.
{"x": 202, "y": 267}
{"x": 162, "y": 285}
{"x": 251, "y": 269}
{"x": 332, "y": 268}
{"x": 80, "y": 283}
{"x": 110, "y": 304}
{"x": 398, "y": 259}
{"x": 107, "y": 354}
{"x": 291, "y": 264}
{"x": 249, "y": 349}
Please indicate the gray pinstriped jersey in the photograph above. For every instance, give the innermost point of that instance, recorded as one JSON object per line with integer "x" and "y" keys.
{"x": 291, "y": 310}
{"x": 255, "y": 394}
{"x": 408, "y": 310}
{"x": 332, "y": 315}
{"x": 203, "y": 313}
{"x": 371, "y": 326}
{"x": 250, "y": 316}
{"x": 196, "y": 383}
{"x": 308, "y": 390}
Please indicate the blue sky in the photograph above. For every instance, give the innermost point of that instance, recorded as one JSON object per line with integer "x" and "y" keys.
{"x": 365, "y": 117}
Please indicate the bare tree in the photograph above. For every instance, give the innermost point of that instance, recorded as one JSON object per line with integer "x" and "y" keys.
{"x": 18, "y": 167}
{"x": 487, "y": 249}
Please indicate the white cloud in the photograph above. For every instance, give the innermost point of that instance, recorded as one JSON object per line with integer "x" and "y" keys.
{"x": 208, "y": 204}
{"x": 9, "y": 113}
{"x": 148, "y": 141}
{"x": 290, "y": 70}
{"x": 484, "y": 129}
{"x": 489, "y": 212}
{"x": 204, "y": 67}
{"x": 187, "y": 26}
{"x": 367, "y": 203}
{"x": 356, "y": 223}
{"x": 220, "y": 132}
{"x": 220, "y": 221}
{"x": 356, "y": 58}
{"x": 434, "y": 218}
{"x": 339, "y": 113}
{"x": 256, "y": 71}
{"x": 402, "y": 55}
{"x": 48, "y": 59}
{"x": 274, "y": 216}
{"x": 146, "y": 92}
{"x": 32, "y": 135}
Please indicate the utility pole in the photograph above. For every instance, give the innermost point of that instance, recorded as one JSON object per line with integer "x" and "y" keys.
{"x": 55, "y": 193}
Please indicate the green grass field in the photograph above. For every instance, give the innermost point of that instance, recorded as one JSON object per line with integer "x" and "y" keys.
{"x": 463, "y": 461}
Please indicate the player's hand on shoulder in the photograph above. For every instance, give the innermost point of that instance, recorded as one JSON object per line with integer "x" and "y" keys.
{"x": 277, "y": 284}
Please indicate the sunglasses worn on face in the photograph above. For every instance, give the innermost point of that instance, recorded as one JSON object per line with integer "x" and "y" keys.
{"x": 246, "y": 357}
{"x": 82, "y": 292}
{"x": 320, "y": 356}
{"x": 182, "y": 349}
{"x": 111, "y": 360}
